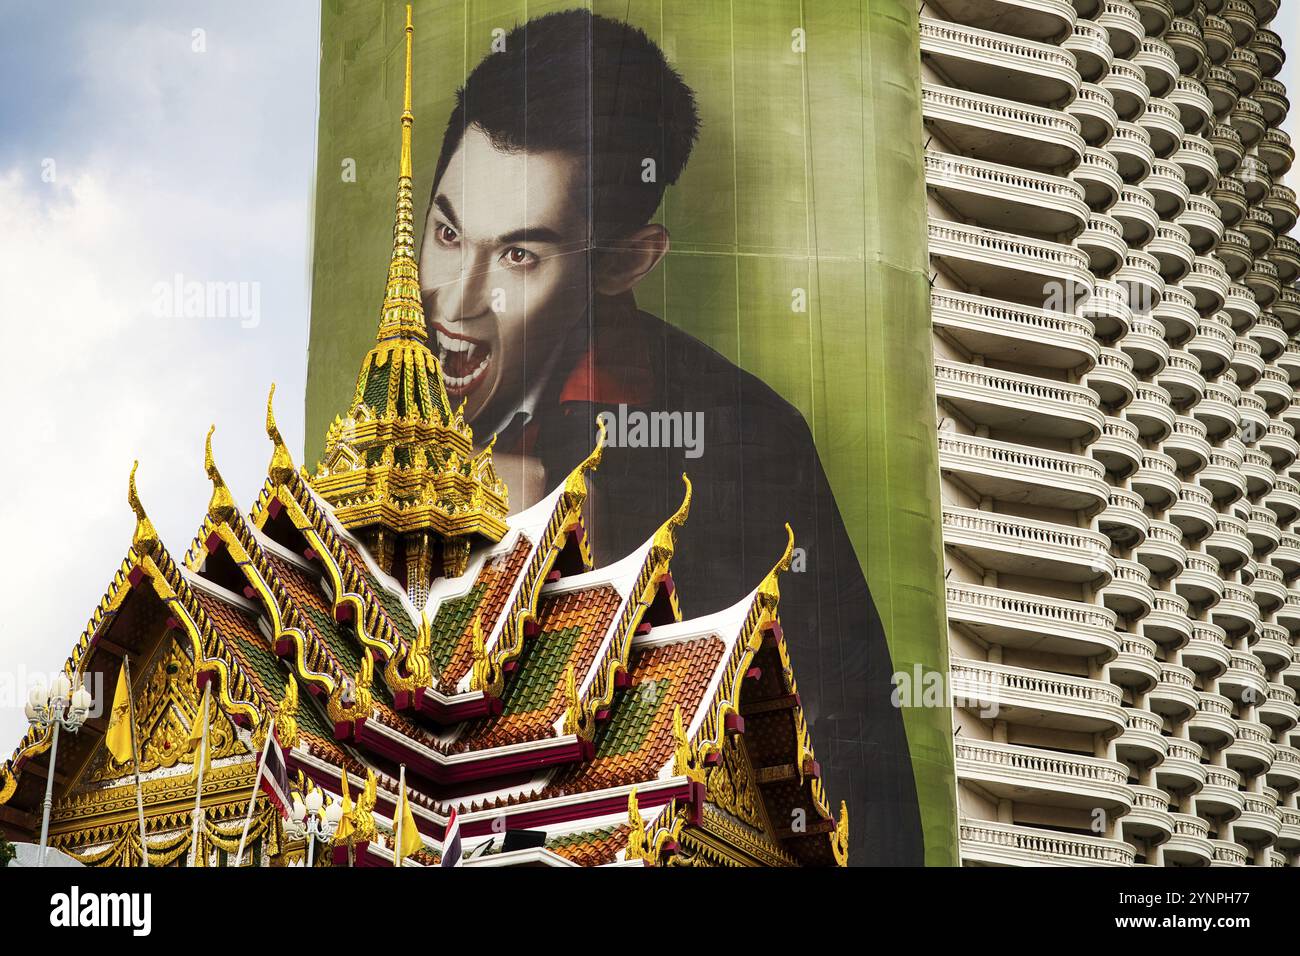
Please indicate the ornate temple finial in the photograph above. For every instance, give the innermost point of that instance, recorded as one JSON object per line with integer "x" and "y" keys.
{"x": 686, "y": 760}
{"x": 408, "y": 118}
{"x": 768, "y": 590}
{"x": 486, "y": 675}
{"x": 286, "y": 715}
{"x": 145, "y": 537}
{"x": 576, "y": 484}
{"x": 666, "y": 537}
{"x": 638, "y": 846}
{"x": 281, "y": 469}
{"x": 222, "y": 504}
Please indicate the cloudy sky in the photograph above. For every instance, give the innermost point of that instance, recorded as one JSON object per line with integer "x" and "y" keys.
{"x": 144, "y": 146}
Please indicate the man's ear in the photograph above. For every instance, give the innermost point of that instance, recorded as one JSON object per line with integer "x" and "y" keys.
{"x": 622, "y": 264}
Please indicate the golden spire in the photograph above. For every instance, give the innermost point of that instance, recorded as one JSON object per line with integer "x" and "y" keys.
{"x": 222, "y": 504}
{"x": 768, "y": 590}
{"x": 145, "y": 537}
{"x": 281, "y": 468}
{"x": 576, "y": 484}
{"x": 666, "y": 537}
{"x": 403, "y": 313}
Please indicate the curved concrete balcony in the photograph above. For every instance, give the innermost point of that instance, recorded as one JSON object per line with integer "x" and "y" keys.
{"x": 1103, "y": 243}
{"x": 1284, "y": 500}
{"x": 1123, "y": 521}
{"x": 1274, "y": 390}
{"x": 1151, "y": 412}
{"x": 1289, "y": 360}
{"x": 1280, "y": 444}
{"x": 1254, "y": 177}
{"x": 1195, "y": 157}
{"x": 1240, "y": 17}
{"x": 1118, "y": 449}
{"x": 1023, "y": 403}
{"x": 1182, "y": 768}
{"x": 1199, "y": 582}
{"x": 1145, "y": 344}
{"x": 1288, "y": 615}
{"x": 1248, "y": 366}
{"x": 1194, "y": 513}
{"x": 1244, "y": 67}
{"x": 1263, "y": 532}
{"x": 1189, "y": 844}
{"x": 1212, "y": 726}
{"x": 1208, "y": 283}
{"x": 1155, "y": 59}
{"x": 1142, "y": 742}
{"x": 1012, "y": 472}
{"x": 1257, "y": 226}
{"x": 1234, "y": 252}
{"x": 1034, "y": 698}
{"x": 1291, "y": 414}
{"x": 1228, "y": 544}
{"x": 1091, "y": 49}
{"x": 1284, "y": 774}
{"x": 1129, "y": 592}
{"x": 1157, "y": 480}
{"x": 1280, "y": 203}
{"x": 1112, "y": 380}
{"x": 1163, "y": 552}
{"x": 1287, "y": 309}
{"x": 1045, "y": 777}
{"x": 1244, "y": 680}
{"x": 1007, "y": 844}
{"x": 1172, "y": 249}
{"x": 1181, "y": 378}
{"x": 1009, "y": 266}
{"x": 1276, "y": 151}
{"x": 998, "y": 64}
{"x": 1164, "y": 125}
{"x": 1220, "y": 797}
{"x": 1272, "y": 99}
{"x": 1218, "y": 39}
{"x": 1094, "y": 108}
{"x": 1187, "y": 444}
{"x": 1131, "y": 148}
{"x": 997, "y": 329}
{"x": 1139, "y": 277}
{"x": 1016, "y": 619}
{"x": 1202, "y": 222}
{"x": 1098, "y": 174}
{"x": 1155, "y": 15}
{"x": 1217, "y": 410}
{"x": 1108, "y": 310}
{"x": 1135, "y": 211}
{"x": 1149, "y": 819}
{"x": 1221, "y": 87}
{"x": 1136, "y": 667}
{"x": 1274, "y": 650}
{"x": 1002, "y": 131}
{"x": 1013, "y": 545}
{"x": 1176, "y": 311}
{"x": 1228, "y": 152}
{"x": 1289, "y": 834}
{"x": 1168, "y": 624}
{"x": 1243, "y": 314}
{"x": 1287, "y": 556}
{"x": 1285, "y": 256}
{"x": 1123, "y": 27}
{"x": 1227, "y": 853}
{"x": 1267, "y": 47}
{"x": 1247, "y": 118}
{"x": 1269, "y": 589}
{"x": 1253, "y": 750}
{"x": 1223, "y": 479}
{"x": 1230, "y": 196}
{"x": 1047, "y": 20}
{"x": 1266, "y": 329}
{"x": 1190, "y": 53}
{"x": 1260, "y": 822}
{"x": 1263, "y": 283}
{"x": 1236, "y": 611}
{"x": 1205, "y": 655}
{"x": 1007, "y": 198}
{"x": 1279, "y": 711}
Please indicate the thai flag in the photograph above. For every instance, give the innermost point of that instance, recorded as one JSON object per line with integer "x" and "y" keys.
{"x": 451, "y": 855}
{"x": 274, "y": 779}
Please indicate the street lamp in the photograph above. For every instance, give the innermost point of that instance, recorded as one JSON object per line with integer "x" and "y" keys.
{"x": 48, "y": 710}
{"x": 310, "y": 818}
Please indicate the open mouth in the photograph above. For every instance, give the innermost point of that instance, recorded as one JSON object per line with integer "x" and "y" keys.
{"x": 464, "y": 361}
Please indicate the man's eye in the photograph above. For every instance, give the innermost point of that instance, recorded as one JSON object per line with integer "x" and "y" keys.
{"x": 446, "y": 234}
{"x": 518, "y": 257}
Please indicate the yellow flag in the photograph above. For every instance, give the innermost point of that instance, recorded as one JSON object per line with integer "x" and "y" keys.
{"x": 346, "y": 826}
{"x": 118, "y": 738}
{"x": 411, "y": 842}
{"x": 196, "y": 739}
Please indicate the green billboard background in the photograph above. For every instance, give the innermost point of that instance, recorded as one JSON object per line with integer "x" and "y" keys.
{"x": 808, "y": 176}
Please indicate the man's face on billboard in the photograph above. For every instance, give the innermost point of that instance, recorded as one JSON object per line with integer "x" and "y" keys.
{"x": 503, "y": 269}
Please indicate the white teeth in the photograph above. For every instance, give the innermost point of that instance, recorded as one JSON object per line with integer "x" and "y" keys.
{"x": 464, "y": 381}
{"x": 449, "y": 344}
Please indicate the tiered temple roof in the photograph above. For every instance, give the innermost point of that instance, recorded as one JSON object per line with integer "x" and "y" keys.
{"x": 386, "y": 612}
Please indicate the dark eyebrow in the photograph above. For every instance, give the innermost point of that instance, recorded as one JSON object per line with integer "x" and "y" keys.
{"x": 443, "y": 203}
{"x": 541, "y": 234}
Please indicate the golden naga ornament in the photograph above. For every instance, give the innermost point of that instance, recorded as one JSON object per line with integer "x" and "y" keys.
{"x": 487, "y": 675}
{"x": 354, "y": 698}
{"x": 145, "y": 538}
{"x": 412, "y": 669}
{"x": 686, "y": 760}
{"x": 578, "y": 719}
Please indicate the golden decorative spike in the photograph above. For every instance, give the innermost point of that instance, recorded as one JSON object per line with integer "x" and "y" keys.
{"x": 638, "y": 847}
{"x": 221, "y": 507}
{"x": 487, "y": 675}
{"x": 281, "y": 469}
{"x": 145, "y": 537}
{"x": 286, "y": 715}
{"x": 768, "y": 591}
{"x": 576, "y": 718}
{"x": 576, "y": 484}
{"x": 415, "y": 661}
{"x": 686, "y": 762}
{"x": 840, "y": 839}
{"x": 666, "y": 537}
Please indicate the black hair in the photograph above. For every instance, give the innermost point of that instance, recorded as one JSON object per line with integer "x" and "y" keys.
{"x": 589, "y": 86}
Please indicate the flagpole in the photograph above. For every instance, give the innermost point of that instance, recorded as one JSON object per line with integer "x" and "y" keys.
{"x": 135, "y": 757}
{"x": 252, "y": 800}
{"x": 202, "y": 757}
{"x": 401, "y": 796}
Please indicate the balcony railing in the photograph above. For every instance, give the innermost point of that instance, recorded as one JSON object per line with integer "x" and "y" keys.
{"x": 1004, "y": 844}
{"x": 1044, "y": 776}
{"x": 1008, "y": 399}
{"x": 1027, "y": 546}
{"x": 1016, "y": 619}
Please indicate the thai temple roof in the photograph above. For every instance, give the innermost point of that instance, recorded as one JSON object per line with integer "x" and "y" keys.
{"x": 386, "y": 611}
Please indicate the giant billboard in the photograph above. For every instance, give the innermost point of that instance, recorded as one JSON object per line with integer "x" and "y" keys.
{"x": 700, "y": 224}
